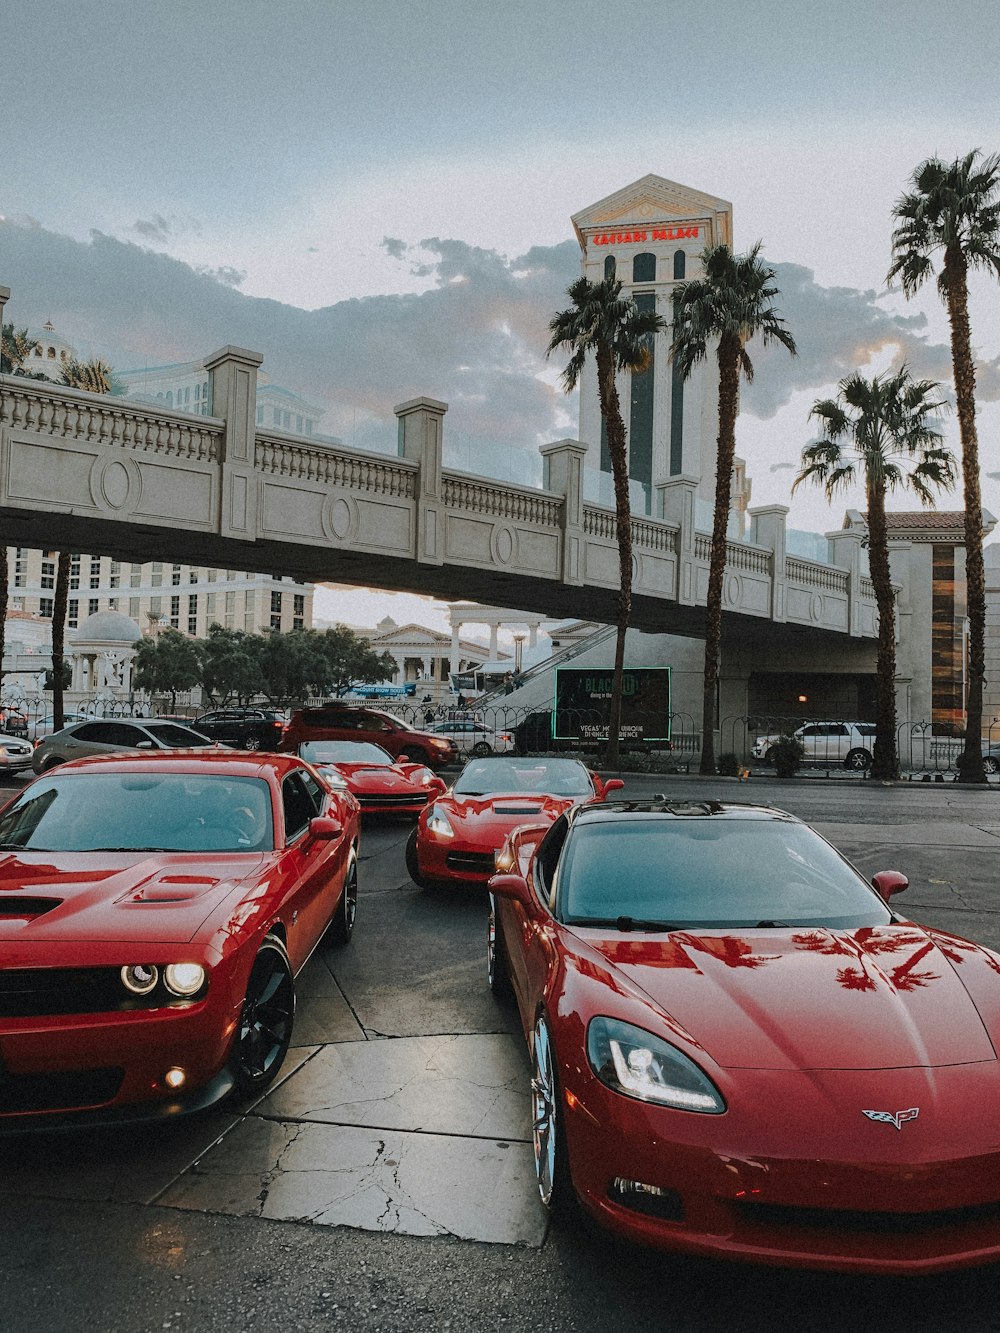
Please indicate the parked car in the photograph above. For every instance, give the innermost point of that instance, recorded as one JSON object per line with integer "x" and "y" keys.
{"x": 456, "y": 839}
{"x": 44, "y": 725}
{"x": 847, "y": 743}
{"x": 475, "y": 738}
{"x": 15, "y": 753}
{"x": 379, "y": 783}
{"x": 245, "y": 728}
{"x": 181, "y": 896}
{"x": 99, "y": 736}
{"x": 344, "y": 722}
{"x": 13, "y": 722}
{"x": 740, "y": 1050}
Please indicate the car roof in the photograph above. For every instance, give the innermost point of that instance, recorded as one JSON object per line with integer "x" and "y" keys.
{"x": 238, "y": 763}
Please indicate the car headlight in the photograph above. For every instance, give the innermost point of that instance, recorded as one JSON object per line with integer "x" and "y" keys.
{"x": 637, "y": 1064}
{"x": 184, "y": 979}
{"x": 334, "y": 780}
{"x": 437, "y": 822}
{"x": 140, "y": 978}
{"x": 425, "y": 775}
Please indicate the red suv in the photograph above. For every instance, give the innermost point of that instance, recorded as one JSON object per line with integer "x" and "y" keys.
{"x": 345, "y": 722}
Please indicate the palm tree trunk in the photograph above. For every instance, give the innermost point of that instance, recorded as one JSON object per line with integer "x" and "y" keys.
{"x": 59, "y": 638}
{"x": 4, "y": 593}
{"x": 885, "y": 762}
{"x": 725, "y": 452}
{"x": 970, "y": 761}
{"x": 611, "y": 411}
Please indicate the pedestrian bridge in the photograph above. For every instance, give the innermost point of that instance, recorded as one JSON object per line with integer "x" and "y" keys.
{"x": 140, "y": 482}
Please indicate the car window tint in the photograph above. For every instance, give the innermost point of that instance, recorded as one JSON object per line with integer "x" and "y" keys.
{"x": 175, "y": 737}
{"x": 297, "y": 804}
{"x": 99, "y": 733}
{"x": 313, "y": 789}
{"x": 557, "y": 777}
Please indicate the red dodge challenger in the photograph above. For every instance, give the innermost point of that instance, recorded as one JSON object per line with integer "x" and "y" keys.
{"x": 739, "y": 1049}
{"x": 154, "y": 912}
{"x": 457, "y": 838}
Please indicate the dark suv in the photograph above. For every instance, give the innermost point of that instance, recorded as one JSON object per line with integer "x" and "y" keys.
{"x": 245, "y": 728}
{"x": 344, "y": 722}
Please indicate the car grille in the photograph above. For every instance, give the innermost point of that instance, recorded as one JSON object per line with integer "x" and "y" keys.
{"x": 842, "y": 1219}
{"x": 384, "y": 802}
{"x": 480, "y": 863}
{"x": 20, "y": 1093}
{"x": 34, "y": 992}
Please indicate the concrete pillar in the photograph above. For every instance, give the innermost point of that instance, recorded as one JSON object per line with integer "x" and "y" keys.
{"x": 767, "y": 529}
{"x": 454, "y": 646}
{"x": 846, "y": 553}
{"x": 562, "y": 465}
{"x": 676, "y": 505}
{"x": 533, "y": 634}
{"x": 425, "y": 664}
{"x": 421, "y": 423}
{"x": 494, "y": 646}
{"x": 232, "y": 381}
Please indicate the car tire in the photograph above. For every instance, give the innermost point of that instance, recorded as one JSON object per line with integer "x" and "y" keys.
{"x": 412, "y": 866}
{"x": 552, "y": 1170}
{"x": 341, "y": 928}
{"x": 481, "y": 749}
{"x": 251, "y": 743}
{"x": 264, "y": 1033}
{"x": 497, "y": 971}
{"x": 991, "y": 764}
{"x": 54, "y": 762}
{"x": 858, "y": 760}
{"x": 769, "y": 757}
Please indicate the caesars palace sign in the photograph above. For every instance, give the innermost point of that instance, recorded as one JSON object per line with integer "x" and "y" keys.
{"x": 637, "y": 237}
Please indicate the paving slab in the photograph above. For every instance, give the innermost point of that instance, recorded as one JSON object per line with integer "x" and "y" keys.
{"x": 413, "y": 1184}
{"x": 938, "y": 833}
{"x": 469, "y": 1085}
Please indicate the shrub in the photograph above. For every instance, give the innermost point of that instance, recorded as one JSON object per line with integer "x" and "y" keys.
{"x": 788, "y": 754}
{"x": 727, "y": 765}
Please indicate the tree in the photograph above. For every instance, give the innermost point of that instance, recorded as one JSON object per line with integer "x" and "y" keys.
{"x": 229, "y": 668}
{"x": 866, "y": 429}
{"x": 94, "y": 376}
{"x": 954, "y": 208}
{"x": 167, "y": 663}
{"x": 603, "y": 323}
{"x": 15, "y": 348}
{"x": 732, "y": 303}
{"x": 350, "y": 659}
{"x": 59, "y": 637}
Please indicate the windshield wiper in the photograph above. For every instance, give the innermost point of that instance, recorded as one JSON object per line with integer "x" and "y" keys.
{"x": 127, "y": 849}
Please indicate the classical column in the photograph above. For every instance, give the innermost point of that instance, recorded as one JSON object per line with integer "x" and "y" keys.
{"x": 232, "y": 377}
{"x": 420, "y": 430}
{"x": 494, "y": 647}
{"x": 676, "y": 505}
{"x": 562, "y": 464}
{"x": 454, "y": 645}
{"x": 767, "y": 529}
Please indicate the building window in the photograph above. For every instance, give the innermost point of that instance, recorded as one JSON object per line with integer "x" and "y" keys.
{"x": 175, "y": 575}
{"x": 640, "y": 436}
{"x": 135, "y": 577}
{"x": 210, "y": 608}
{"x": 197, "y": 393}
{"x": 45, "y": 607}
{"x": 175, "y": 612}
{"x": 112, "y": 603}
{"x": 277, "y": 416}
{"x": 72, "y": 613}
{"x": 211, "y": 575}
{"x": 95, "y": 576}
{"x": 156, "y": 578}
{"x": 155, "y": 606}
{"x": 133, "y": 607}
{"x": 680, "y": 260}
{"x": 192, "y": 576}
{"x": 92, "y": 606}
{"x": 298, "y": 424}
{"x": 644, "y": 267}
{"x": 48, "y": 574}
{"x": 609, "y": 266}
{"x": 298, "y": 611}
{"x": 74, "y": 571}
{"x": 676, "y": 405}
{"x": 260, "y": 416}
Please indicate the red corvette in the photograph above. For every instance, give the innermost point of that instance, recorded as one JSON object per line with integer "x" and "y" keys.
{"x": 379, "y": 783}
{"x": 154, "y": 912}
{"x": 457, "y": 838}
{"x": 740, "y": 1050}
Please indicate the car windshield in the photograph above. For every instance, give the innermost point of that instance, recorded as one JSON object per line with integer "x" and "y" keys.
{"x": 175, "y": 737}
{"x": 150, "y": 811}
{"x": 709, "y": 872}
{"x": 557, "y": 777}
{"x": 343, "y": 752}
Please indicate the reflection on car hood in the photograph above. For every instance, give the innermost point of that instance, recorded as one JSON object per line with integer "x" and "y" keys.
{"x": 87, "y": 896}
{"x": 480, "y": 816}
{"x": 879, "y": 997}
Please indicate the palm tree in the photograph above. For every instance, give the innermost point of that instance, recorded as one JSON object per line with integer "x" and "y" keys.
{"x": 866, "y": 429}
{"x": 94, "y": 376}
{"x": 610, "y": 326}
{"x": 15, "y": 348}
{"x": 954, "y": 208}
{"x": 731, "y": 304}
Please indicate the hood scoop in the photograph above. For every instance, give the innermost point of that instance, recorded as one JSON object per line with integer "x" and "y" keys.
{"x": 172, "y": 889}
{"x": 503, "y": 809}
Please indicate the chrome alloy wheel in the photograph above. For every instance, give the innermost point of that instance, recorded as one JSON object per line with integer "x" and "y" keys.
{"x": 544, "y": 1119}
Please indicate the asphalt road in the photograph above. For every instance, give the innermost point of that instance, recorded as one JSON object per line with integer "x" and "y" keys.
{"x": 91, "y": 1240}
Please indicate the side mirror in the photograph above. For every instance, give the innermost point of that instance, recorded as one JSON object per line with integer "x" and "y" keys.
{"x": 510, "y": 886}
{"x": 324, "y": 829}
{"x": 145, "y": 745}
{"x": 887, "y": 882}
{"x": 613, "y": 784}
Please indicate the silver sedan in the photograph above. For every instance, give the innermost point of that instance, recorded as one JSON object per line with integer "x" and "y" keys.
{"x": 103, "y": 736}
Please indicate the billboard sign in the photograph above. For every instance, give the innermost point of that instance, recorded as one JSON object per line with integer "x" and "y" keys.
{"x": 583, "y": 704}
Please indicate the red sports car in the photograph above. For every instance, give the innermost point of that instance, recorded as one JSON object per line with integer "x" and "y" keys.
{"x": 379, "y": 783}
{"x": 457, "y": 838}
{"x": 154, "y": 912}
{"x": 739, "y": 1049}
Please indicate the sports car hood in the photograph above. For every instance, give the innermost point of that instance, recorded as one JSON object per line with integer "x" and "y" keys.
{"x": 491, "y": 817}
{"x": 876, "y": 998}
{"x": 383, "y": 777}
{"x": 76, "y": 897}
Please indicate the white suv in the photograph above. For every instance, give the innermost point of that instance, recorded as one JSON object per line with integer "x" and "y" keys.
{"x": 847, "y": 743}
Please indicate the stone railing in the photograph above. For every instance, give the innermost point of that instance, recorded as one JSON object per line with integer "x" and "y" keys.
{"x": 500, "y": 500}
{"x": 602, "y": 524}
{"x": 824, "y": 577}
{"x": 750, "y": 559}
{"x": 350, "y": 469}
{"x": 108, "y": 421}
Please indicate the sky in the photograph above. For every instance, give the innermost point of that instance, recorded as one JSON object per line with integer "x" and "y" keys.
{"x": 378, "y": 197}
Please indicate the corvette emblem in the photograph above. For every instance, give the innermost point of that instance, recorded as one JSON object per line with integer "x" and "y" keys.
{"x": 897, "y": 1118}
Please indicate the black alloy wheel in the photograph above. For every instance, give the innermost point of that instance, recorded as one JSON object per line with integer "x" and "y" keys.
{"x": 265, "y": 1029}
{"x": 342, "y": 926}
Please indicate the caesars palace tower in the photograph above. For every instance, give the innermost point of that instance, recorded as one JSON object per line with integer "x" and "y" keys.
{"x": 650, "y": 235}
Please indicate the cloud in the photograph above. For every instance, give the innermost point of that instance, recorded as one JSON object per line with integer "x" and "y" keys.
{"x": 229, "y": 277}
{"x": 476, "y": 337}
{"x": 782, "y": 467}
{"x": 161, "y": 229}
